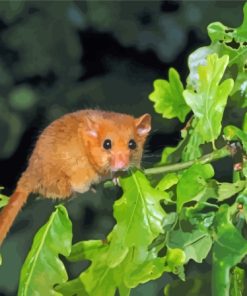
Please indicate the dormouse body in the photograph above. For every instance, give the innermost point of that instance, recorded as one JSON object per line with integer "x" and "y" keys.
{"x": 75, "y": 151}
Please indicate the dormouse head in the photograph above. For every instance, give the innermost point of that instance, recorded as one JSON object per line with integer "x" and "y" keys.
{"x": 114, "y": 141}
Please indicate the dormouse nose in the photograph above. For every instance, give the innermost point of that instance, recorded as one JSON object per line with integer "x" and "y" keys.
{"x": 119, "y": 161}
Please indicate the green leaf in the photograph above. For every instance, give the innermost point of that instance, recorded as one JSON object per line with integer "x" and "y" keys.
{"x": 195, "y": 244}
{"x": 227, "y": 190}
{"x": 108, "y": 279}
{"x": 123, "y": 290}
{"x": 85, "y": 250}
{"x": 209, "y": 99}
{"x": 71, "y": 288}
{"x": 167, "y": 182}
{"x": 153, "y": 267}
{"x": 149, "y": 269}
{"x": 166, "y": 153}
{"x": 139, "y": 217}
{"x": 192, "y": 149}
{"x": 171, "y": 154}
{"x": 100, "y": 279}
{"x": 126, "y": 275}
{"x": 241, "y": 32}
{"x": 193, "y": 184}
{"x": 3, "y": 200}
{"x": 231, "y": 42}
{"x": 168, "y": 97}
{"x": 170, "y": 220}
{"x": 175, "y": 259}
{"x": 244, "y": 127}
{"x": 197, "y": 58}
{"x": 43, "y": 268}
{"x": 199, "y": 219}
{"x": 228, "y": 250}
{"x": 217, "y": 31}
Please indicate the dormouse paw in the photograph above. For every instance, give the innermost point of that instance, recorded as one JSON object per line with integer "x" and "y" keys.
{"x": 93, "y": 189}
{"x": 116, "y": 182}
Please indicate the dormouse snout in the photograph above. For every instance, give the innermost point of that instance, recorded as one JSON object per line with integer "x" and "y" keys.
{"x": 119, "y": 161}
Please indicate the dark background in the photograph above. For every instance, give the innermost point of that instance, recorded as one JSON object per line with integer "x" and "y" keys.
{"x": 58, "y": 57}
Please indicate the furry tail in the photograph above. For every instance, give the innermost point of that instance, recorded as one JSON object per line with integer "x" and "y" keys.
{"x": 10, "y": 211}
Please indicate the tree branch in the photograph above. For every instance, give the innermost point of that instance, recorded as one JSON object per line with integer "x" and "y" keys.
{"x": 215, "y": 155}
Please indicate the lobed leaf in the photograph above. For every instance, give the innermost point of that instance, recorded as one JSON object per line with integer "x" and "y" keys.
{"x": 232, "y": 42}
{"x": 192, "y": 184}
{"x": 149, "y": 269}
{"x": 228, "y": 250}
{"x": 72, "y": 288}
{"x": 43, "y": 268}
{"x": 195, "y": 244}
{"x": 217, "y": 31}
{"x": 240, "y": 34}
{"x": 140, "y": 202}
{"x": 86, "y": 250}
{"x": 209, "y": 99}
{"x": 196, "y": 59}
{"x": 192, "y": 150}
{"x": 227, "y": 190}
{"x": 99, "y": 278}
{"x": 168, "y": 97}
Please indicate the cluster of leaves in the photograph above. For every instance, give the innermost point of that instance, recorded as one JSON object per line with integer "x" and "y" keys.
{"x": 182, "y": 215}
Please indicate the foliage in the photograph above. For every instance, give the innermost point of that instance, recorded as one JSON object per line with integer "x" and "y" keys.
{"x": 182, "y": 213}
{"x": 168, "y": 97}
{"x": 3, "y": 199}
{"x": 43, "y": 268}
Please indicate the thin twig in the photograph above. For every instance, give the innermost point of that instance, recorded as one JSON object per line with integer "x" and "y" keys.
{"x": 214, "y": 155}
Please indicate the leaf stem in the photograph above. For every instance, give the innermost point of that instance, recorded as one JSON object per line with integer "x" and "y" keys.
{"x": 214, "y": 155}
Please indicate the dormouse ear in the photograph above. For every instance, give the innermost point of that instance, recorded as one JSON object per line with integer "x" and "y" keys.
{"x": 143, "y": 124}
{"x": 90, "y": 128}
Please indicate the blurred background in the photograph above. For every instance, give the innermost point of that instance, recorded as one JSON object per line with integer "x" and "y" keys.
{"x": 61, "y": 56}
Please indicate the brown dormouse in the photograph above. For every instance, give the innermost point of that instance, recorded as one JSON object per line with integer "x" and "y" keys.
{"x": 76, "y": 151}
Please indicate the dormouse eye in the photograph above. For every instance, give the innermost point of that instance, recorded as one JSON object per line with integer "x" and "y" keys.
{"x": 107, "y": 144}
{"x": 132, "y": 144}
